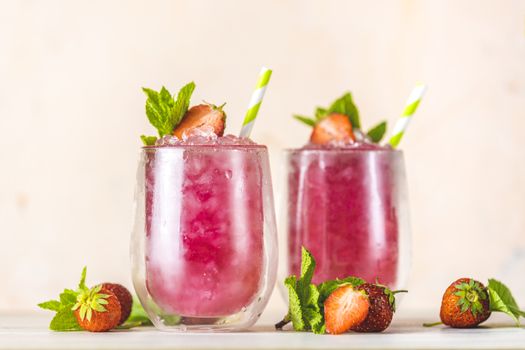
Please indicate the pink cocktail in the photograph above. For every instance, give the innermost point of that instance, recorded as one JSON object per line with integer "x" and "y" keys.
{"x": 347, "y": 206}
{"x": 208, "y": 227}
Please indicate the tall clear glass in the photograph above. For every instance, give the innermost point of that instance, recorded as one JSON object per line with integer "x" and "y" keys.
{"x": 349, "y": 207}
{"x": 204, "y": 248}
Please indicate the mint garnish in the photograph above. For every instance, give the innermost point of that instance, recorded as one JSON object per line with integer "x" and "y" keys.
{"x": 377, "y": 132}
{"x": 304, "y": 311}
{"x": 164, "y": 112}
{"x": 306, "y": 120}
{"x": 345, "y": 105}
{"x": 501, "y": 300}
{"x": 148, "y": 140}
{"x": 306, "y": 300}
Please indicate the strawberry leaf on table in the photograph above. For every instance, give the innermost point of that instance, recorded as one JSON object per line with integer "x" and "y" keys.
{"x": 164, "y": 112}
{"x": 501, "y": 300}
{"x": 64, "y": 320}
{"x": 345, "y": 105}
{"x": 137, "y": 317}
{"x": 377, "y": 132}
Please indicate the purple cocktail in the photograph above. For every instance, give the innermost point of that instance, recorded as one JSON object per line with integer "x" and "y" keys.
{"x": 207, "y": 212}
{"x": 346, "y": 205}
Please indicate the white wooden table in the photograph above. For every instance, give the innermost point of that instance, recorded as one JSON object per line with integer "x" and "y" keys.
{"x": 29, "y": 331}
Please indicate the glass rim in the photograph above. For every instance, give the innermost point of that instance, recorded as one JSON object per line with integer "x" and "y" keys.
{"x": 342, "y": 150}
{"x": 206, "y": 146}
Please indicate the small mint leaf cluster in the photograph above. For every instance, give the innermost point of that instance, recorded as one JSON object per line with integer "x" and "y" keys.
{"x": 470, "y": 295}
{"x": 344, "y": 105}
{"x": 64, "y": 319}
{"x": 164, "y": 112}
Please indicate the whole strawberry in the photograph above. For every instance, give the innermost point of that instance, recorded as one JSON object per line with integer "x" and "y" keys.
{"x": 465, "y": 304}
{"x": 124, "y": 297}
{"x": 97, "y": 309}
{"x": 382, "y": 308}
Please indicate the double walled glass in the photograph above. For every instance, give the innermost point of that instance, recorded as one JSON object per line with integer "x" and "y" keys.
{"x": 204, "y": 249}
{"x": 349, "y": 207}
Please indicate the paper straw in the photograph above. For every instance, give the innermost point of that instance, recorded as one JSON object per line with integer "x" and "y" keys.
{"x": 255, "y": 102}
{"x": 410, "y": 108}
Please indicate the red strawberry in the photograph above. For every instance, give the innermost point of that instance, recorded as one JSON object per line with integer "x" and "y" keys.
{"x": 345, "y": 308}
{"x": 203, "y": 115}
{"x": 334, "y": 127}
{"x": 97, "y": 309}
{"x": 124, "y": 297}
{"x": 381, "y": 311}
{"x": 465, "y": 304}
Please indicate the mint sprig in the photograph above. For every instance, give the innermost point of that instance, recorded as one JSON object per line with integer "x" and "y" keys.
{"x": 345, "y": 105}
{"x": 64, "y": 319}
{"x": 501, "y": 300}
{"x": 306, "y": 300}
{"x": 377, "y": 132}
{"x": 164, "y": 112}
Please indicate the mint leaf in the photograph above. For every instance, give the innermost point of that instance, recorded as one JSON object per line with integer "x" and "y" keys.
{"x": 158, "y": 110}
{"x": 68, "y": 296}
{"x": 377, "y": 132}
{"x": 328, "y": 287}
{"x": 138, "y": 315}
{"x": 64, "y": 320}
{"x": 295, "y": 313}
{"x": 148, "y": 140}
{"x": 52, "y": 305}
{"x": 307, "y": 268}
{"x": 345, "y": 105}
{"x": 320, "y": 113}
{"x": 303, "y": 311}
{"x": 501, "y": 300}
{"x": 306, "y": 120}
{"x": 180, "y": 106}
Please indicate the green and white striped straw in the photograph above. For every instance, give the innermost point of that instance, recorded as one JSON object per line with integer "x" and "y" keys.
{"x": 255, "y": 102}
{"x": 410, "y": 108}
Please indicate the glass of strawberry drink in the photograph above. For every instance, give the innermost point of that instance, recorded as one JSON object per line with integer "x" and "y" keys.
{"x": 204, "y": 245}
{"x": 347, "y": 201}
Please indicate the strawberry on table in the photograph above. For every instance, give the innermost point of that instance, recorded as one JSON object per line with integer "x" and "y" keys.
{"x": 465, "y": 304}
{"x": 345, "y": 308}
{"x": 97, "y": 309}
{"x": 382, "y": 308}
{"x": 124, "y": 297}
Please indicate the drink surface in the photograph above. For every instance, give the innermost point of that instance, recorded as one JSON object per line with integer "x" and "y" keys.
{"x": 343, "y": 207}
{"x": 204, "y": 225}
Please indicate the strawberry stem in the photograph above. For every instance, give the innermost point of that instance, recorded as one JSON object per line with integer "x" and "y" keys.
{"x": 279, "y": 325}
{"x": 432, "y": 324}
{"x": 399, "y": 291}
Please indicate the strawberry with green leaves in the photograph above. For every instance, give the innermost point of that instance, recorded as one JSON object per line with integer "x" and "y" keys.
{"x": 339, "y": 123}
{"x": 100, "y": 308}
{"x": 97, "y": 309}
{"x": 172, "y": 116}
{"x": 336, "y": 306}
{"x": 467, "y": 303}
